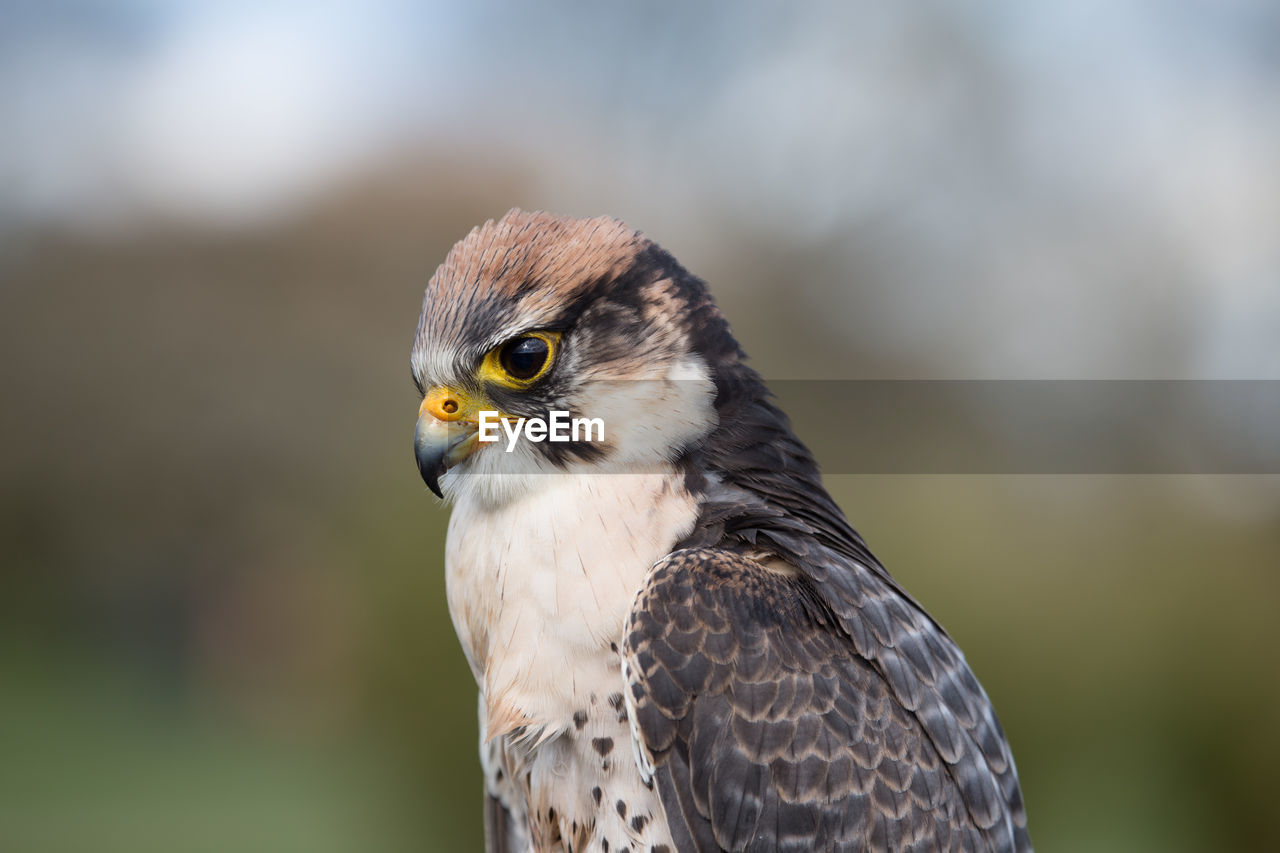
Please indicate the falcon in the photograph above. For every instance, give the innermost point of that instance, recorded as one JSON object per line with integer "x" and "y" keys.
{"x": 680, "y": 642}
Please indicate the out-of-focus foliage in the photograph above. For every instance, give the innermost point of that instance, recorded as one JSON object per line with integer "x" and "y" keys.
{"x": 223, "y": 624}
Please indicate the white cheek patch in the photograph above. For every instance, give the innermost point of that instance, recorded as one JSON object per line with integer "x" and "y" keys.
{"x": 649, "y": 418}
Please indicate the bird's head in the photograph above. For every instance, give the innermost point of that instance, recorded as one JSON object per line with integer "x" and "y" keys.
{"x": 535, "y": 314}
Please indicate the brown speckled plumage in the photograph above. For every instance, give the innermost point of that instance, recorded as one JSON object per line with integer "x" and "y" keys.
{"x": 542, "y": 262}
{"x": 699, "y": 653}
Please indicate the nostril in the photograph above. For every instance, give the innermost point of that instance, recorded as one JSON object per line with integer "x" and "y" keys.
{"x": 444, "y": 404}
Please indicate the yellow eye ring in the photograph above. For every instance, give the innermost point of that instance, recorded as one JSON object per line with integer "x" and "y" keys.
{"x": 520, "y": 361}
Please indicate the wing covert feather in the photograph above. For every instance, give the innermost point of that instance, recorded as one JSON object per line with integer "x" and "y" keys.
{"x": 770, "y": 726}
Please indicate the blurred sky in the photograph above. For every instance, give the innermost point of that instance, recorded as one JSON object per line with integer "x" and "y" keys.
{"x": 1125, "y": 151}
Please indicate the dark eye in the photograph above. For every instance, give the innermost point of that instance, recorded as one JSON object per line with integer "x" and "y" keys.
{"x": 524, "y": 357}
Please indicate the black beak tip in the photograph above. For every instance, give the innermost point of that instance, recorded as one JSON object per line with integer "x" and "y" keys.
{"x": 431, "y": 475}
{"x": 434, "y": 485}
{"x": 431, "y": 466}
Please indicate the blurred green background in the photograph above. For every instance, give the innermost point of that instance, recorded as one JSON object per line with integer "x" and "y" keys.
{"x": 222, "y": 624}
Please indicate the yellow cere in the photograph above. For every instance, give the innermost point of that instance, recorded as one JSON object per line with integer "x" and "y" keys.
{"x": 448, "y": 404}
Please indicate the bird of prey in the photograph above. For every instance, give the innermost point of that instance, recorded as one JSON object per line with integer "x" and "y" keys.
{"x": 680, "y": 642}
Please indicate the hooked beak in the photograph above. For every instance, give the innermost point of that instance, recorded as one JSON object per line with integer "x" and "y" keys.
{"x": 445, "y": 435}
